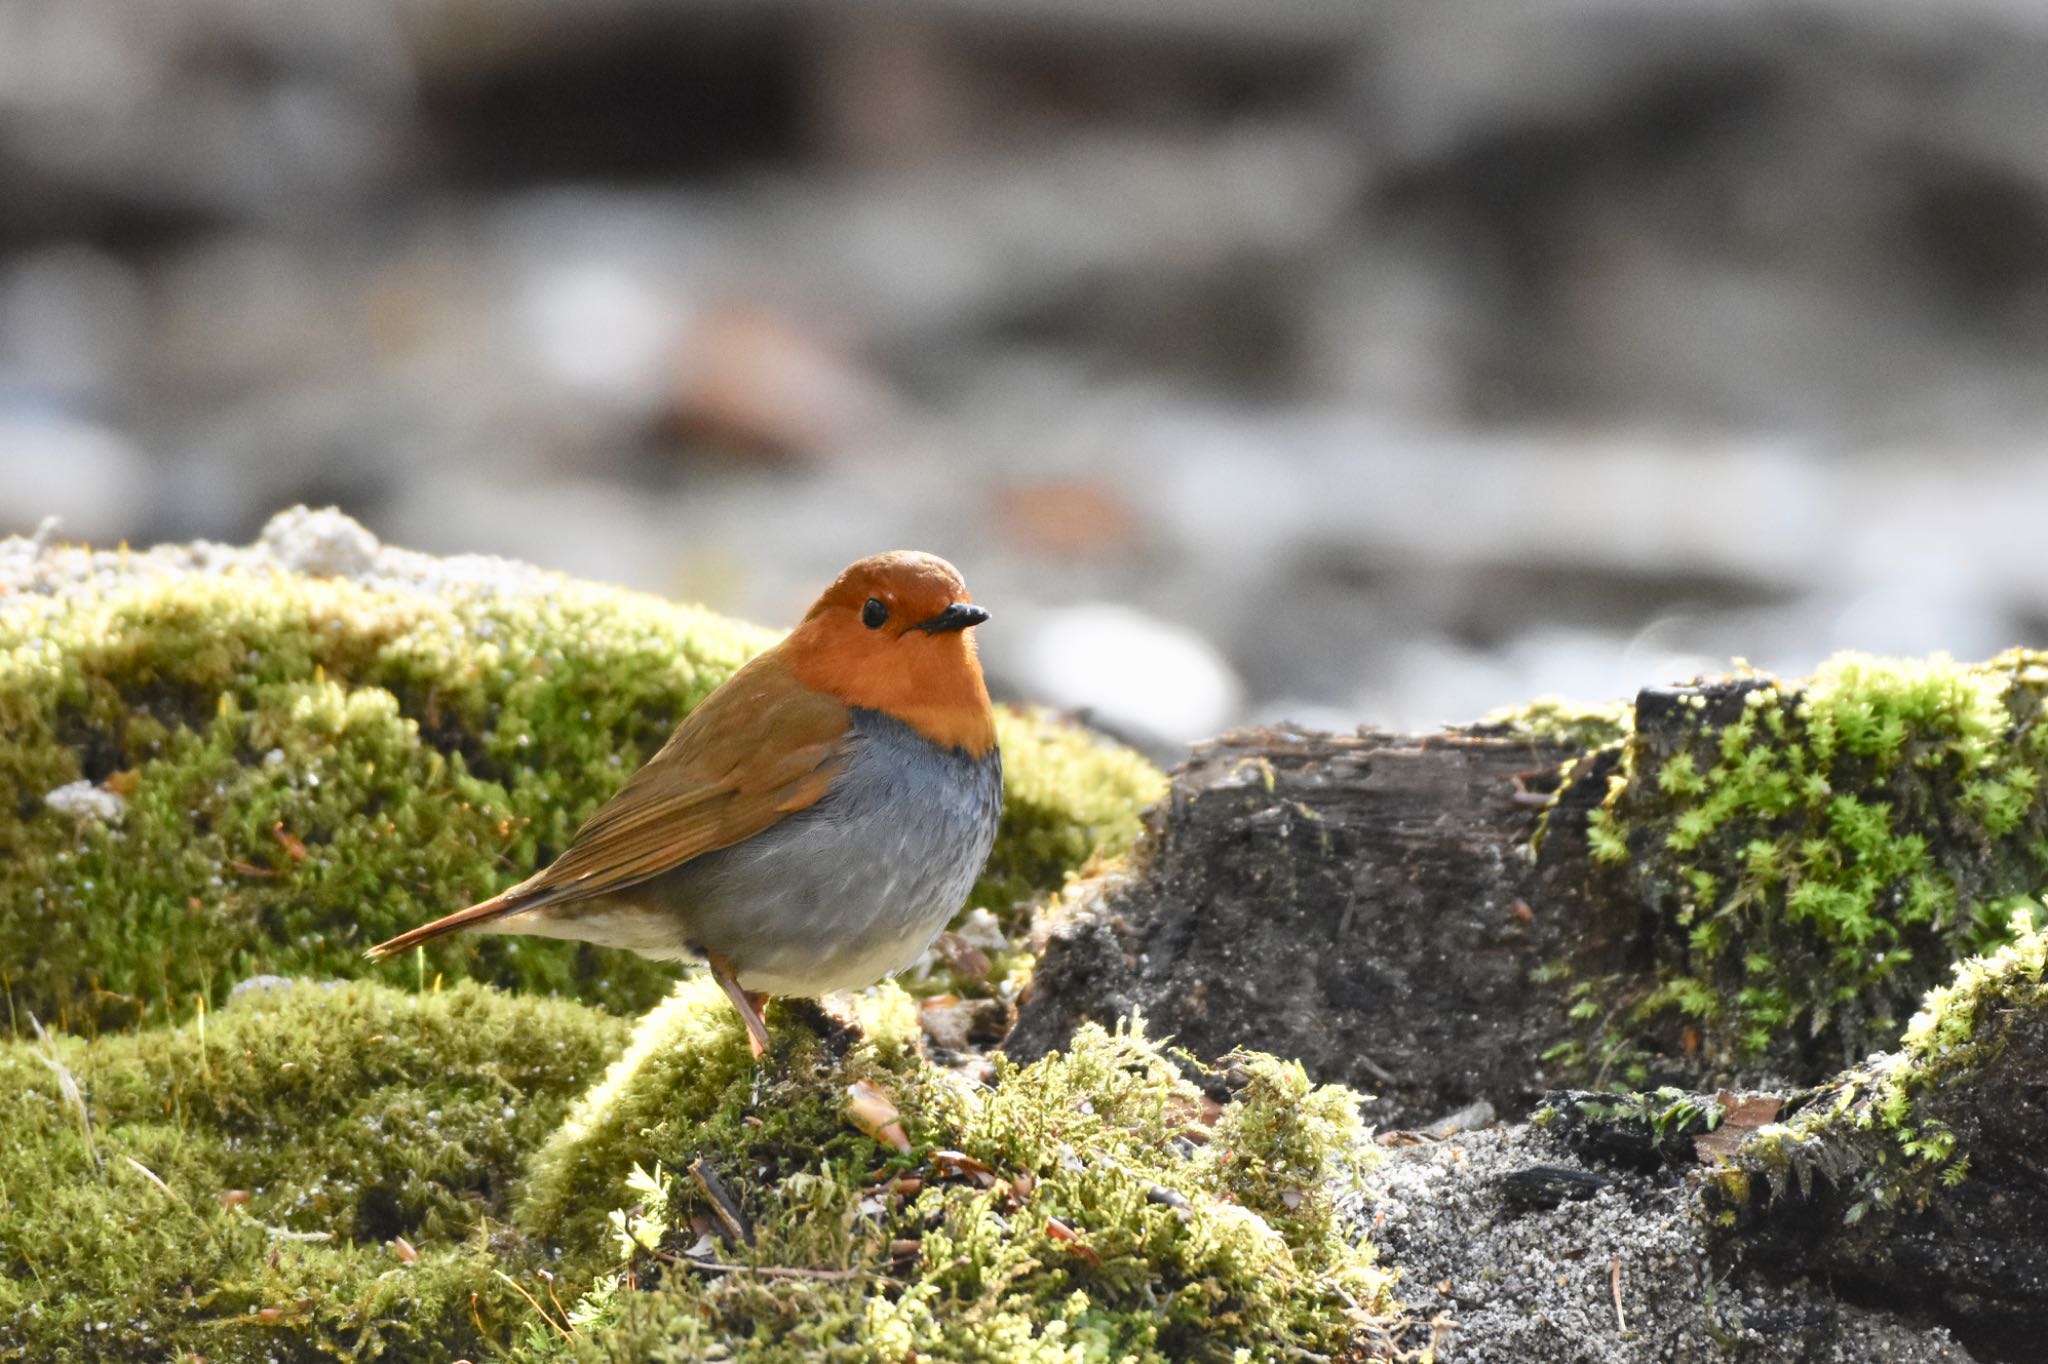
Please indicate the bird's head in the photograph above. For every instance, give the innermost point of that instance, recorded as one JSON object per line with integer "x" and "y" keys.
{"x": 892, "y": 634}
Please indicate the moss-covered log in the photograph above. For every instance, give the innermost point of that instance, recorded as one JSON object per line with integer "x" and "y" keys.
{"x": 1808, "y": 858}
{"x": 1730, "y": 882}
{"x": 1910, "y": 1184}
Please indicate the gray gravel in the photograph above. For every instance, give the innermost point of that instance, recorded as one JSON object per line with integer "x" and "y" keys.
{"x": 1498, "y": 1285}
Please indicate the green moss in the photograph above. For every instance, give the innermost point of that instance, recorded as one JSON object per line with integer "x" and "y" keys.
{"x": 1656, "y": 1115}
{"x": 1894, "y": 1132}
{"x": 1816, "y": 854}
{"x": 687, "y": 1085}
{"x": 1077, "y": 1209}
{"x": 1555, "y": 721}
{"x": 1642, "y": 1131}
{"x": 323, "y": 1172}
{"x": 311, "y": 765}
{"x": 232, "y": 1188}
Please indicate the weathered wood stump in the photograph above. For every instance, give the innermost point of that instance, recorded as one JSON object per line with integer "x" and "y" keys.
{"x": 1365, "y": 903}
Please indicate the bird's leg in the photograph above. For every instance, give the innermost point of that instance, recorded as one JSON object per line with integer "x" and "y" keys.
{"x": 749, "y": 1005}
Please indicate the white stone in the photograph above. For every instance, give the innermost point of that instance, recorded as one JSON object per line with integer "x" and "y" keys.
{"x": 1133, "y": 674}
{"x": 327, "y": 542}
{"x": 86, "y": 800}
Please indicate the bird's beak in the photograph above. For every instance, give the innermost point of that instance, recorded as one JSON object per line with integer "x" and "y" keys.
{"x": 958, "y": 616}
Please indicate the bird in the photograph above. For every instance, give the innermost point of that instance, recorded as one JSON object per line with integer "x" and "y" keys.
{"x": 812, "y": 824}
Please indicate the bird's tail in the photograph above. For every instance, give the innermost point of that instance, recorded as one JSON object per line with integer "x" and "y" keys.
{"x": 525, "y": 895}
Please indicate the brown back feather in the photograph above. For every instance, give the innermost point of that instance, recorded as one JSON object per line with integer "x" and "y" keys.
{"x": 760, "y": 747}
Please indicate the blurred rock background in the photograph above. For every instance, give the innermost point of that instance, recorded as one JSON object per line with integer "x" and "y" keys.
{"x": 1311, "y": 358}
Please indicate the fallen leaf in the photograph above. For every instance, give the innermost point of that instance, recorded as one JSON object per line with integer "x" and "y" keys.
{"x": 874, "y": 1112}
{"x": 1071, "y": 1239}
{"x": 1740, "y": 1116}
{"x": 960, "y": 1165}
{"x": 1194, "y": 1116}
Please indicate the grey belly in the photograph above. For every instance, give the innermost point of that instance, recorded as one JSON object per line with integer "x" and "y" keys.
{"x": 848, "y": 891}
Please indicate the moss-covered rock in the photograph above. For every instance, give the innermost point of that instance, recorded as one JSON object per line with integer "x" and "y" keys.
{"x": 1083, "y": 1207}
{"x": 313, "y": 1172}
{"x": 1812, "y": 855}
{"x": 1915, "y": 1178}
{"x": 213, "y": 765}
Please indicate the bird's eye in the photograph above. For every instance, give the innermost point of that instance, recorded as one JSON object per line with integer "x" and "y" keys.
{"x": 874, "y": 615}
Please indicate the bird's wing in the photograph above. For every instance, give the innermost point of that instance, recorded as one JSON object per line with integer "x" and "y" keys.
{"x": 758, "y": 749}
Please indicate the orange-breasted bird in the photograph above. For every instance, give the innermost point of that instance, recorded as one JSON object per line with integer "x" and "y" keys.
{"x": 812, "y": 824}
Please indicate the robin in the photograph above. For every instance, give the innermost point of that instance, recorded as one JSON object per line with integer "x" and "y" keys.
{"x": 813, "y": 824}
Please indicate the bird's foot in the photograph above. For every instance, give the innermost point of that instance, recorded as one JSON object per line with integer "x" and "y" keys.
{"x": 747, "y": 1003}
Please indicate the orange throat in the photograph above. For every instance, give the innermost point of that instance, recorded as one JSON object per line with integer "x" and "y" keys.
{"x": 932, "y": 683}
